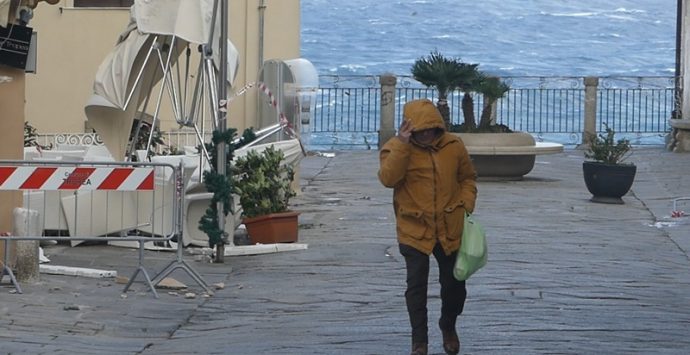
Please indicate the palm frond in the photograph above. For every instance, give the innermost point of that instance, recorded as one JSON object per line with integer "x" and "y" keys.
{"x": 443, "y": 73}
{"x": 493, "y": 88}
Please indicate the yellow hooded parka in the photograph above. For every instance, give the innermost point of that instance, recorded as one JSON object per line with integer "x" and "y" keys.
{"x": 432, "y": 185}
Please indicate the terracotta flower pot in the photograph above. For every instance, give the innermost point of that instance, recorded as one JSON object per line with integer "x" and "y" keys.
{"x": 272, "y": 228}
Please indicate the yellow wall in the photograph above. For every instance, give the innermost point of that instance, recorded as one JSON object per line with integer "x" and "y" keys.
{"x": 281, "y": 41}
{"x": 72, "y": 42}
{"x": 71, "y": 45}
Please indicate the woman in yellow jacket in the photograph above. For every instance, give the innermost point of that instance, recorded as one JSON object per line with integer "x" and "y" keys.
{"x": 434, "y": 183}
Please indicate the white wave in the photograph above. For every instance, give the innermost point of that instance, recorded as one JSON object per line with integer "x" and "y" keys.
{"x": 634, "y": 11}
{"x": 352, "y": 67}
{"x": 612, "y": 14}
{"x": 606, "y": 35}
{"x": 570, "y": 14}
{"x": 379, "y": 22}
{"x": 619, "y": 17}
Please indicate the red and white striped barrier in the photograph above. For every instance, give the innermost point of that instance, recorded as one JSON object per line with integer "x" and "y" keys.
{"x": 76, "y": 178}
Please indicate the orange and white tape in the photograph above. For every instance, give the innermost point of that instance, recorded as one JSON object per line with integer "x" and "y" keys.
{"x": 282, "y": 119}
{"x": 76, "y": 178}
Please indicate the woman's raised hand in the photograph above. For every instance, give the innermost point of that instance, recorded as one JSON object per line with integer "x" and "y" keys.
{"x": 405, "y": 131}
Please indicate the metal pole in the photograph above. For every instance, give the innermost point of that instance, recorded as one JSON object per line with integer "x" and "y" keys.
{"x": 262, "y": 14}
{"x": 222, "y": 113}
{"x": 679, "y": 61}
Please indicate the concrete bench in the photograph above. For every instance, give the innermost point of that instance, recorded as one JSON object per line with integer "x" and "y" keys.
{"x": 679, "y": 140}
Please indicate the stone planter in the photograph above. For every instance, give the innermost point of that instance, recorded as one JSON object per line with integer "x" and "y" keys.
{"x": 608, "y": 182}
{"x": 505, "y": 156}
{"x": 272, "y": 228}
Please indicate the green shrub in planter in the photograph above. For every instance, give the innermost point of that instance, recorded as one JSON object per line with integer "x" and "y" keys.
{"x": 263, "y": 182}
{"x": 606, "y": 149}
{"x": 607, "y": 176}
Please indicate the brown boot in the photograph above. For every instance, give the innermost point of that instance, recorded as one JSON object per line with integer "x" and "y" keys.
{"x": 451, "y": 343}
{"x": 419, "y": 349}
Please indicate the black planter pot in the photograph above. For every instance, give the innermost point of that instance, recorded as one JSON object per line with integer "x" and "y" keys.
{"x": 606, "y": 182}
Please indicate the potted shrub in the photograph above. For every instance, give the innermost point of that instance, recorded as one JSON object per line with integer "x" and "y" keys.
{"x": 263, "y": 184}
{"x": 606, "y": 175}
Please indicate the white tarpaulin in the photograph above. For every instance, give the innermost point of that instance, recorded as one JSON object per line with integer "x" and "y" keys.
{"x": 188, "y": 21}
{"x": 291, "y": 148}
{"x": 116, "y": 74}
{"x": 114, "y": 82}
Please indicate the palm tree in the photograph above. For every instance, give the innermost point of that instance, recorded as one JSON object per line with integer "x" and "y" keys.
{"x": 493, "y": 89}
{"x": 470, "y": 82}
{"x": 450, "y": 74}
{"x": 446, "y": 75}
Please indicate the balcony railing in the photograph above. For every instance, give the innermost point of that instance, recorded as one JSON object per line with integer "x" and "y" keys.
{"x": 347, "y": 113}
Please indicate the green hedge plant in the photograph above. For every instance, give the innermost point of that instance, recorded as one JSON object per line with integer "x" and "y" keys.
{"x": 263, "y": 182}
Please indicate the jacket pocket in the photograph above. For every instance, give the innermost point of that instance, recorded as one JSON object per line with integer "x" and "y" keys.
{"x": 454, "y": 215}
{"x": 411, "y": 223}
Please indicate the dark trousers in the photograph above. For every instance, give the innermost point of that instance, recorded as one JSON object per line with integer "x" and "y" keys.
{"x": 453, "y": 292}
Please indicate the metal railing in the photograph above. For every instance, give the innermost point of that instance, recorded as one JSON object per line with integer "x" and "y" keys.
{"x": 174, "y": 140}
{"x": 347, "y": 112}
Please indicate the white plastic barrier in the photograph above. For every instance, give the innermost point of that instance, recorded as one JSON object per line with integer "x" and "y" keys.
{"x": 101, "y": 201}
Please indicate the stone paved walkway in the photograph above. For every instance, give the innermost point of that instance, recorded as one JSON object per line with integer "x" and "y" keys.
{"x": 565, "y": 276}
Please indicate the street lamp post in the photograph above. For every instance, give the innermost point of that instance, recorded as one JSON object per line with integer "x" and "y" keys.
{"x": 678, "y": 104}
{"x": 222, "y": 117}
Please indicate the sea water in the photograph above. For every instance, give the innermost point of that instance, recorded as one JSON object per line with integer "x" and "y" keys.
{"x": 506, "y": 37}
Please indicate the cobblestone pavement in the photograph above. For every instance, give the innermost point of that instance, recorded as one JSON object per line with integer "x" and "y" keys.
{"x": 565, "y": 276}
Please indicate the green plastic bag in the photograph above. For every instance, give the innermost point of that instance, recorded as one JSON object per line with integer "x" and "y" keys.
{"x": 473, "y": 252}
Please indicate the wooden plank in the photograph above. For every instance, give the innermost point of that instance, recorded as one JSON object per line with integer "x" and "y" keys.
{"x": 76, "y": 271}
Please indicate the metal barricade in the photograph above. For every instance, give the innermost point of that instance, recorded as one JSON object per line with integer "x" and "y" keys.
{"x": 101, "y": 201}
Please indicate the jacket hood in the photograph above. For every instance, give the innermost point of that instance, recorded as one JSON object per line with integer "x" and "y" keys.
{"x": 423, "y": 115}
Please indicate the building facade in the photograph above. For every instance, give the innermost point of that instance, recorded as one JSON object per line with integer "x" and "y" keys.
{"x": 75, "y": 36}
{"x": 73, "y": 39}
